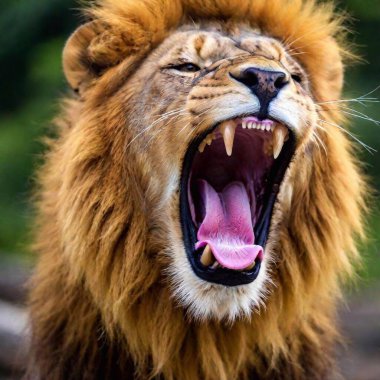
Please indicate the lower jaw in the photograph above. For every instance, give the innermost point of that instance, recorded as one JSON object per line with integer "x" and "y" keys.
{"x": 220, "y": 275}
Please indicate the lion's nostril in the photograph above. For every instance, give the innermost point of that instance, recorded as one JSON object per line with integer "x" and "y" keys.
{"x": 281, "y": 81}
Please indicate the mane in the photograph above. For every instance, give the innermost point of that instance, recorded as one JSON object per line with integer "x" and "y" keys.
{"x": 86, "y": 231}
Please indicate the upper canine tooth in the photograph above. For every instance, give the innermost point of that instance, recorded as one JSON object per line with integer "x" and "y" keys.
{"x": 207, "y": 257}
{"x": 244, "y": 124}
{"x": 280, "y": 134}
{"x": 227, "y": 129}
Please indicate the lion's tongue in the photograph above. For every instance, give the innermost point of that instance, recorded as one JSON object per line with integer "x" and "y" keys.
{"x": 227, "y": 226}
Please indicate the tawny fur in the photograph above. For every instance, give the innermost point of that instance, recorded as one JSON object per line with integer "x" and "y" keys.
{"x": 101, "y": 298}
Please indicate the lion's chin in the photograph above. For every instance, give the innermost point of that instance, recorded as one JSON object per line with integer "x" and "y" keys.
{"x": 230, "y": 181}
{"x": 209, "y": 301}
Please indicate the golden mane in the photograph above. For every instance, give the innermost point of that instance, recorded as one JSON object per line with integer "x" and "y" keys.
{"x": 93, "y": 316}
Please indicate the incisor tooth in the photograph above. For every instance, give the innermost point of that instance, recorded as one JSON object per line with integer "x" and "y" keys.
{"x": 280, "y": 134}
{"x": 207, "y": 257}
{"x": 227, "y": 129}
{"x": 244, "y": 124}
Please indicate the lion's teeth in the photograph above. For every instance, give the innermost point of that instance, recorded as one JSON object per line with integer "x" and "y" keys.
{"x": 227, "y": 129}
{"x": 207, "y": 257}
{"x": 244, "y": 124}
{"x": 202, "y": 146}
{"x": 250, "y": 266}
{"x": 280, "y": 135}
{"x": 209, "y": 139}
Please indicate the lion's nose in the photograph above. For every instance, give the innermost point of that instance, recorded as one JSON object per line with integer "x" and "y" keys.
{"x": 265, "y": 84}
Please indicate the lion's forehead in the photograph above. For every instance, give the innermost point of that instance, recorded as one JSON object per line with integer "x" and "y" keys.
{"x": 207, "y": 46}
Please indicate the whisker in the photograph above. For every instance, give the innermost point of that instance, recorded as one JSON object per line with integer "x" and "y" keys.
{"x": 371, "y": 92}
{"x": 298, "y": 53}
{"x": 362, "y": 116}
{"x": 167, "y": 114}
{"x": 355, "y": 113}
{"x": 361, "y": 99}
{"x": 174, "y": 114}
{"x": 182, "y": 129}
{"x": 319, "y": 142}
{"x": 365, "y": 146}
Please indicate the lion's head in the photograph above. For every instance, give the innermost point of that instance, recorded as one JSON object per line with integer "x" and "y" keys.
{"x": 200, "y": 172}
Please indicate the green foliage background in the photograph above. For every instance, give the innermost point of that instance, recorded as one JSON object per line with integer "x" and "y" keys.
{"x": 31, "y": 40}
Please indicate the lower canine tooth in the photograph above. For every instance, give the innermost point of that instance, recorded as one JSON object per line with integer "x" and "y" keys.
{"x": 251, "y": 266}
{"x": 207, "y": 257}
{"x": 280, "y": 134}
{"x": 227, "y": 129}
{"x": 202, "y": 146}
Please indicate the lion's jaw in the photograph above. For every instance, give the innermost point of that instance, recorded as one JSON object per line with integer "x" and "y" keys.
{"x": 181, "y": 107}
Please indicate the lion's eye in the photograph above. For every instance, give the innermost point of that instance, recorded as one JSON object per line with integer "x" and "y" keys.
{"x": 186, "y": 67}
{"x": 297, "y": 78}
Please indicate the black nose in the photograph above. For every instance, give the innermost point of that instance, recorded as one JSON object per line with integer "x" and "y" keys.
{"x": 264, "y": 84}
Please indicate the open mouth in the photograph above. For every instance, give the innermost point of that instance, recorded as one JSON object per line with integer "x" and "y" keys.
{"x": 230, "y": 181}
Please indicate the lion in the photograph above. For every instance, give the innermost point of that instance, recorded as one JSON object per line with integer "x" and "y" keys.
{"x": 199, "y": 207}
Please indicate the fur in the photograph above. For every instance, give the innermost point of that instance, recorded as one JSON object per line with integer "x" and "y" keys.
{"x": 106, "y": 299}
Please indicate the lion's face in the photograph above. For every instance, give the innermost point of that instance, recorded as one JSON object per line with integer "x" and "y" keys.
{"x": 220, "y": 115}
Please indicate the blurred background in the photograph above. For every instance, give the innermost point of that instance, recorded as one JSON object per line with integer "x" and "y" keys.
{"x": 31, "y": 40}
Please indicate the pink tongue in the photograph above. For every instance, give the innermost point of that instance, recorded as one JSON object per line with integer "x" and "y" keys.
{"x": 227, "y": 226}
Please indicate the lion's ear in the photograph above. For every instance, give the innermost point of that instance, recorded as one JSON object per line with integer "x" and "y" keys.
{"x": 90, "y": 50}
